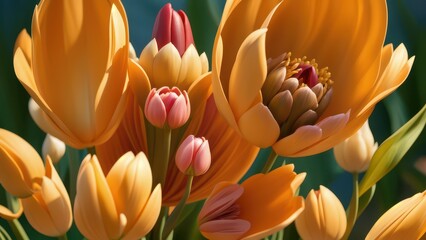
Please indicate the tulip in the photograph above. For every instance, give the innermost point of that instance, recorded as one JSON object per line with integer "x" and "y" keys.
{"x": 306, "y": 85}
{"x": 165, "y": 67}
{"x": 120, "y": 205}
{"x": 323, "y": 218}
{"x": 262, "y": 205}
{"x": 169, "y": 105}
{"x": 49, "y": 210}
{"x": 75, "y": 68}
{"x": 22, "y": 169}
{"x": 354, "y": 153}
{"x": 405, "y": 220}
{"x": 193, "y": 156}
{"x": 172, "y": 27}
{"x": 54, "y": 148}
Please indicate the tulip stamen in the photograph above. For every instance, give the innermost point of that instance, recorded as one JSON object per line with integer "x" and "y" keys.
{"x": 296, "y": 91}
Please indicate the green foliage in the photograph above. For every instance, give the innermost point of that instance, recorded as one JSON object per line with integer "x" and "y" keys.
{"x": 392, "y": 150}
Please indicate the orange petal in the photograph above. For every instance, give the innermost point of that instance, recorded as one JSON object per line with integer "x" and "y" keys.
{"x": 346, "y": 37}
{"x": 405, "y": 220}
{"x": 147, "y": 217}
{"x": 271, "y": 195}
{"x": 248, "y": 73}
{"x": 139, "y": 82}
{"x": 6, "y": 214}
{"x": 258, "y": 126}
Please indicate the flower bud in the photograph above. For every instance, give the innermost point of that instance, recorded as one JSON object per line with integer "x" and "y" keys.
{"x": 22, "y": 169}
{"x": 354, "y": 154}
{"x": 405, "y": 220}
{"x": 54, "y": 148}
{"x": 169, "y": 105}
{"x": 174, "y": 27}
{"x": 323, "y": 218}
{"x": 49, "y": 210}
{"x": 120, "y": 205}
{"x": 193, "y": 156}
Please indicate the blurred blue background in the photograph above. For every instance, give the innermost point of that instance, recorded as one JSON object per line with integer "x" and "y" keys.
{"x": 407, "y": 24}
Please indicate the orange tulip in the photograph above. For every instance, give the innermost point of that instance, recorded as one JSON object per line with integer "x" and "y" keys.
{"x": 263, "y": 75}
{"x": 231, "y": 155}
{"x": 259, "y": 207}
{"x": 324, "y": 216}
{"x": 405, "y": 220}
{"x": 120, "y": 205}
{"x": 22, "y": 169}
{"x": 75, "y": 68}
{"x": 49, "y": 210}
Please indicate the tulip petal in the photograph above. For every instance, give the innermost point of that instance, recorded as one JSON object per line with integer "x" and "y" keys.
{"x": 147, "y": 217}
{"x": 393, "y": 75}
{"x": 6, "y": 214}
{"x": 22, "y": 168}
{"x": 225, "y": 229}
{"x": 358, "y": 28}
{"x": 147, "y": 57}
{"x": 302, "y": 138}
{"x": 218, "y": 90}
{"x": 167, "y": 58}
{"x": 94, "y": 203}
{"x": 139, "y": 82}
{"x": 130, "y": 181}
{"x": 190, "y": 68}
{"x": 24, "y": 43}
{"x": 274, "y": 193}
{"x": 248, "y": 73}
{"x": 258, "y": 126}
{"x": 405, "y": 220}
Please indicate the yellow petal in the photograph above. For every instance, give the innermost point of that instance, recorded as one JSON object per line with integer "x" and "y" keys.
{"x": 147, "y": 217}
{"x": 167, "y": 58}
{"x": 130, "y": 181}
{"x": 405, "y": 220}
{"x": 139, "y": 82}
{"x": 23, "y": 42}
{"x": 190, "y": 68}
{"x": 147, "y": 57}
{"x": 259, "y": 127}
{"x": 95, "y": 212}
{"x": 248, "y": 73}
{"x": 272, "y": 191}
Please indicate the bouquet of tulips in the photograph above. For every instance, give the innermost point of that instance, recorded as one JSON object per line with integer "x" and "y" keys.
{"x": 167, "y": 143}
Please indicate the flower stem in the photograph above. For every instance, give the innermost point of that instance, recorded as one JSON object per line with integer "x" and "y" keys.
{"x": 174, "y": 217}
{"x": 270, "y": 162}
{"x": 352, "y": 211}
{"x": 14, "y": 224}
{"x": 160, "y": 162}
{"x": 74, "y": 162}
{"x": 4, "y": 234}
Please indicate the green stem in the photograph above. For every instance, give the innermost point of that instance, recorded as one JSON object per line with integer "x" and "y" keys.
{"x": 352, "y": 211}
{"x": 74, "y": 163}
{"x": 18, "y": 230}
{"x": 270, "y": 162}
{"x": 160, "y": 162}
{"x": 3, "y": 234}
{"x": 157, "y": 231}
{"x": 174, "y": 217}
{"x": 14, "y": 224}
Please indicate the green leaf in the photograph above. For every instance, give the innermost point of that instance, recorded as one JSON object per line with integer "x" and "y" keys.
{"x": 392, "y": 150}
{"x": 365, "y": 199}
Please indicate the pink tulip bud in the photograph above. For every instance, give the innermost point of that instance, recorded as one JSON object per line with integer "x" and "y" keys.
{"x": 169, "y": 105}
{"x": 174, "y": 27}
{"x": 193, "y": 156}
